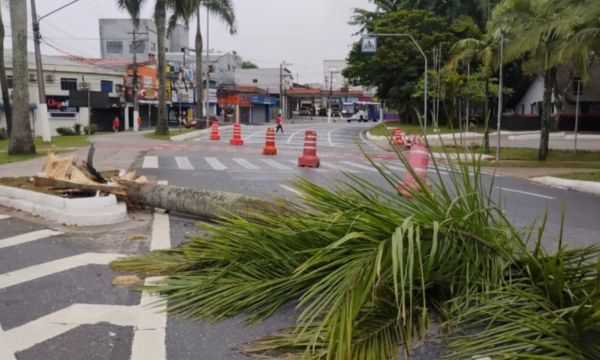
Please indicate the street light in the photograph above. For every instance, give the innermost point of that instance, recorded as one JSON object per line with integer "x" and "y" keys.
{"x": 500, "y": 95}
{"x": 329, "y": 110}
{"x": 578, "y": 89}
{"x": 425, "y": 100}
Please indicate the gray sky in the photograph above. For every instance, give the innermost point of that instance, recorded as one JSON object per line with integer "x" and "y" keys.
{"x": 303, "y": 33}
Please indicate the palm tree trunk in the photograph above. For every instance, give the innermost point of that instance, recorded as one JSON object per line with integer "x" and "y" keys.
{"x": 486, "y": 118}
{"x": 21, "y": 139}
{"x": 3, "y": 82}
{"x": 199, "y": 79}
{"x": 546, "y": 123}
{"x": 160, "y": 18}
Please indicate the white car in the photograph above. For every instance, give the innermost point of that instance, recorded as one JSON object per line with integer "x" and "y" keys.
{"x": 360, "y": 116}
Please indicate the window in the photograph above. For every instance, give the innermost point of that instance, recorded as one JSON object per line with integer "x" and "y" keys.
{"x": 67, "y": 84}
{"x": 9, "y": 81}
{"x": 138, "y": 47}
{"x": 106, "y": 86}
{"x": 114, "y": 47}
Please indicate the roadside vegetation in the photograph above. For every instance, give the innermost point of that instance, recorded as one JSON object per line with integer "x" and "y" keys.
{"x": 58, "y": 144}
{"x": 585, "y": 176}
{"x": 370, "y": 271}
{"x": 172, "y": 132}
{"x": 387, "y": 128}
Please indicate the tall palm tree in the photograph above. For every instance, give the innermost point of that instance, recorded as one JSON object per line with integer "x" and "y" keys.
{"x": 3, "y": 82}
{"x": 21, "y": 137}
{"x": 536, "y": 32}
{"x": 186, "y": 9}
{"x": 482, "y": 51}
{"x": 133, "y": 7}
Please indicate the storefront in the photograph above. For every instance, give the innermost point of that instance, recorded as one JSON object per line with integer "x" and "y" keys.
{"x": 261, "y": 110}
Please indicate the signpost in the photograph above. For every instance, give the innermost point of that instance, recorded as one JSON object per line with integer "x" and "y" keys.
{"x": 369, "y": 44}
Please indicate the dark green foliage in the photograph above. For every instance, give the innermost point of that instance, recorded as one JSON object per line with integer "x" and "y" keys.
{"x": 66, "y": 131}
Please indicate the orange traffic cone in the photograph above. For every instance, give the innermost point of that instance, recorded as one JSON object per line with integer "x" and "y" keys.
{"x": 237, "y": 135}
{"x": 310, "y": 158}
{"x": 215, "y": 133}
{"x": 418, "y": 159}
{"x": 399, "y": 137}
{"x": 270, "y": 147}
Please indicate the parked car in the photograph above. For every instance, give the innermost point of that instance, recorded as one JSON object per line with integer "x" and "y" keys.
{"x": 360, "y": 116}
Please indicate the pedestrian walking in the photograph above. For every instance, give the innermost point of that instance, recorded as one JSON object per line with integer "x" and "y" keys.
{"x": 279, "y": 121}
{"x": 116, "y": 125}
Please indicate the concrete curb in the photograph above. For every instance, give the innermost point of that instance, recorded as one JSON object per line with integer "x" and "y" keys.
{"x": 536, "y": 136}
{"x": 590, "y": 187}
{"x": 375, "y": 137}
{"x": 462, "y": 156}
{"x": 79, "y": 212}
{"x": 194, "y": 134}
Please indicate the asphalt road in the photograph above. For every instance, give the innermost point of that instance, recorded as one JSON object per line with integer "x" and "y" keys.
{"x": 56, "y": 296}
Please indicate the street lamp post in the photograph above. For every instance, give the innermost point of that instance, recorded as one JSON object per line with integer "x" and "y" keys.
{"x": 426, "y": 91}
{"x": 329, "y": 109}
{"x": 500, "y": 96}
{"x": 577, "y": 112}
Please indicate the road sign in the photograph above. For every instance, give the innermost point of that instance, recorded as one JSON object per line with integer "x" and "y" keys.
{"x": 369, "y": 44}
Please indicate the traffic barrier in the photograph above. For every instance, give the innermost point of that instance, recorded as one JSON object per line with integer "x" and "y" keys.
{"x": 215, "y": 133}
{"x": 237, "y": 135}
{"x": 270, "y": 146}
{"x": 398, "y": 137}
{"x": 418, "y": 159}
{"x": 309, "y": 157}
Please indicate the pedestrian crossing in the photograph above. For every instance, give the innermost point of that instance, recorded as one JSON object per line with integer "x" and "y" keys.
{"x": 239, "y": 164}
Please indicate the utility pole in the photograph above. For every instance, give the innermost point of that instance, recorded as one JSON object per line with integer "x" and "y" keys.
{"x": 42, "y": 111}
{"x": 500, "y": 85}
{"x": 577, "y": 112}
{"x": 134, "y": 90}
{"x": 206, "y": 111}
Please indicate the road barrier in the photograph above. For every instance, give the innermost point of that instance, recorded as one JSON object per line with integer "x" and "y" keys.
{"x": 399, "y": 137}
{"x": 270, "y": 146}
{"x": 309, "y": 157}
{"x": 418, "y": 159}
{"x": 215, "y": 133}
{"x": 237, "y": 135}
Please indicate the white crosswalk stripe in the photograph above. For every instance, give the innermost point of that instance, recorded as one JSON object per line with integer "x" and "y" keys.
{"x": 183, "y": 162}
{"x": 359, "y": 166}
{"x": 150, "y": 162}
{"x": 246, "y": 164}
{"x": 215, "y": 164}
{"x": 27, "y": 237}
{"x": 275, "y": 164}
{"x": 4, "y": 217}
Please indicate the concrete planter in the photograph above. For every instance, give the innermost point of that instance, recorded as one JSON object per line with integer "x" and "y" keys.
{"x": 92, "y": 211}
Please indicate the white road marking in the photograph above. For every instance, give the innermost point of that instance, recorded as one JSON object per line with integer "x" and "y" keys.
{"x": 6, "y": 348}
{"x": 329, "y": 138}
{"x": 360, "y": 166}
{"x": 53, "y": 267}
{"x": 4, "y": 217}
{"x": 150, "y": 162}
{"x": 162, "y": 182}
{"x": 290, "y": 189}
{"x": 215, "y": 164}
{"x": 526, "y": 193}
{"x": 246, "y": 164}
{"x": 27, "y": 237}
{"x": 183, "y": 163}
{"x": 275, "y": 164}
{"x": 289, "y": 140}
{"x": 254, "y": 134}
{"x": 327, "y": 164}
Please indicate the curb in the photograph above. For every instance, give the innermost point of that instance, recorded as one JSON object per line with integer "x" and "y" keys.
{"x": 590, "y": 187}
{"x": 374, "y": 137}
{"x": 79, "y": 212}
{"x": 194, "y": 134}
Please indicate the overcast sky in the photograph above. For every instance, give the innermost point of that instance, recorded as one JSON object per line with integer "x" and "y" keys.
{"x": 301, "y": 32}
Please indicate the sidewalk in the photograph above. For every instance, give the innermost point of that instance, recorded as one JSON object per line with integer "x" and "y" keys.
{"x": 113, "y": 151}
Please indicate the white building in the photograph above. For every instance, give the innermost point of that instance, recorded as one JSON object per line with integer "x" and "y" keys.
{"x": 269, "y": 79}
{"x": 64, "y": 77}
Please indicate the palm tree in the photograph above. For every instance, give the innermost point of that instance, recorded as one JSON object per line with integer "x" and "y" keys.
{"x": 536, "y": 32}
{"x": 3, "y": 82}
{"x": 21, "y": 137}
{"x": 484, "y": 52}
{"x": 133, "y": 7}
{"x": 185, "y": 9}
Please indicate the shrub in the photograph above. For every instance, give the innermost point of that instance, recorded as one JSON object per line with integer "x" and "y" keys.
{"x": 3, "y": 134}
{"x": 66, "y": 131}
{"x": 90, "y": 130}
{"x": 77, "y": 129}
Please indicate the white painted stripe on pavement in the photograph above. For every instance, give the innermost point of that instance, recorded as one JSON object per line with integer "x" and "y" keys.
{"x": 7, "y": 350}
{"x": 290, "y": 189}
{"x": 183, "y": 162}
{"x": 329, "y": 140}
{"x": 150, "y": 162}
{"x": 291, "y": 138}
{"x": 360, "y": 166}
{"x": 27, "y": 237}
{"x": 215, "y": 164}
{"x": 161, "y": 233}
{"x": 275, "y": 164}
{"x": 4, "y": 217}
{"x": 527, "y": 193}
{"x": 329, "y": 165}
{"x": 246, "y": 164}
{"x": 38, "y": 271}
{"x": 162, "y": 182}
